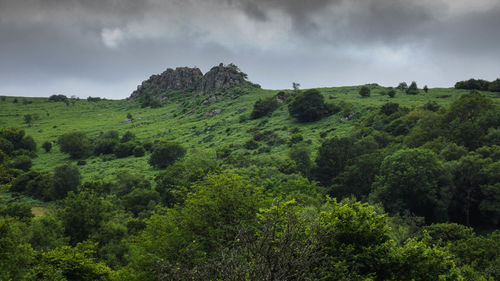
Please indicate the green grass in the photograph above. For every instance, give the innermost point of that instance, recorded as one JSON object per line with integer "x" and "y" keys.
{"x": 189, "y": 125}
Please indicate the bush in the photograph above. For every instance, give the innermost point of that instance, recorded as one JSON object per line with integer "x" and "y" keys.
{"x": 165, "y": 154}
{"x": 251, "y": 144}
{"x": 125, "y": 149}
{"x": 494, "y": 86}
{"x": 105, "y": 146}
{"x": 28, "y": 143}
{"x": 264, "y": 107}
{"x": 47, "y": 146}
{"x": 364, "y": 91}
{"x": 389, "y": 108}
{"x": 76, "y": 144}
{"x": 22, "y": 162}
{"x": 309, "y": 106}
{"x": 391, "y": 93}
{"x": 128, "y": 136}
{"x": 6, "y": 146}
{"x": 59, "y": 98}
{"x": 139, "y": 151}
{"x": 473, "y": 84}
{"x": 431, "y": 106}
{"x": 413, "y": 89}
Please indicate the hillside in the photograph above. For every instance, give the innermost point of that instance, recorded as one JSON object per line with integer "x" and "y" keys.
{"x": 188, "y": 120}
{"x": 205, "y": 177}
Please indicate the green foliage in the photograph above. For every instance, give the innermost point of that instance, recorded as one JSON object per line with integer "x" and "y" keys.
{"x": 413, "y": 89}
{"x": 66, "y": 179}
{"x": 301, "y": 155}
{"x": 251, "y": 144}
{"x": 165, "y": 154}
{"x": 16, "y": 254}
{"x": 364, "y": 92}
{"x": 47, "y": 146}
{"x": 47, "y": 232}
{"x": 309, "y": 106}
{"x": 140, "y": 200}
{"x": 125, "y": 149}
{"x": 333, "y": 156}
{"x": 410, "y": 179}
{"x": 83, "y": 214}
{"x": 402, "y": 86}
{"x": 22, "y": 162}
{"x": 389, "y": 108}
{"x": 28, "y": 118}
{"x": 128, "y": 136}
{"x": 58, "y": 98}
{"x": 68, "y": 263}
{"x": 76, "y": 144}
{"x": 264, "y": 107}
{"x": 494, "y": 86}
{"x": 391, "y": 93}
{"x": 139, "y": 151}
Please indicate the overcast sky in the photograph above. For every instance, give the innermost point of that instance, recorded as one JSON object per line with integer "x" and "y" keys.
{"x": 107, "y": 47}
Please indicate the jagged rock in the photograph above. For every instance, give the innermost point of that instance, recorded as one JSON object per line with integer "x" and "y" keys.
{"x": 182, "y": 78}
{"x": 192, "y": 80}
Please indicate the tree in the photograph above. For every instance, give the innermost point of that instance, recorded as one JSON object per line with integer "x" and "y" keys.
{"x": 333, "y": 156}
{"x": 494, "y": 86}
{"x": 66, "y": 178}
{"x": 76, "y": 144}
{"x": 364, "y": 92}
{"x": 413, "y": 89}
{"x": 412, "y": 179}
{"x": 83, "y": 214}
{"x": 426, "y": 89}
{"x": 22, "y": 162}
{"x": 309, "y": 106}
{"x": 165, "y": 154}
{"x": 402, "y": 86}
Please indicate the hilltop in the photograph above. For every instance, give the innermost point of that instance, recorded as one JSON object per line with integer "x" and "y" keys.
{"x": 192, "y": 80}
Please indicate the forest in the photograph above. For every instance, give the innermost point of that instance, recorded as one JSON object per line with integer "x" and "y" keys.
{"x": 344, "y": 183}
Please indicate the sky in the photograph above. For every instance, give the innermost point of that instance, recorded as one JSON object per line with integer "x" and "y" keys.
{"x": 106, "y": 48}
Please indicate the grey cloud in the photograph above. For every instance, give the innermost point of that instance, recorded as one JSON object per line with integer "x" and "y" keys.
{"x": 315, "y": 42}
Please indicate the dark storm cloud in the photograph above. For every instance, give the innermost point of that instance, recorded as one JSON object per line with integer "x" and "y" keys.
{"x": 109, "y": 46}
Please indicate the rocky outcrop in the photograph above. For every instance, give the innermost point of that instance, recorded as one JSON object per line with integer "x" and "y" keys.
{"x": 192, "y": 80}
{"x": 182, "y": 78}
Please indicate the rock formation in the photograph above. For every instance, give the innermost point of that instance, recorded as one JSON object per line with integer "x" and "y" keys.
{"x": 192, "y": 80}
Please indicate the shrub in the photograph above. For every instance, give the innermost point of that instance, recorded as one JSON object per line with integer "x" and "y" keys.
{"x": 431, "y": 106}
{"x": 364, "y": 92}
{"x": 389, "y": 108}
{"x": 47, "y": 146}
{"x": 22, "y": 162}
{"x": 128, "y": 136}
{"x": 139, "y": 151}
{"x": 391, "y": 93}
{"x": 494, "y": 86}
{"x": 426, "y": 89}
{"x": 6, "y": 146}
{"x": 105, "y": 146}
{"x": 124, "y": 149}
{"x": 76, "y": 144}
{"x": 59, "y": 98}
{"x": 165, "y": 154}
{"x": 295, "y": 138}
{"x": 148, "y": 146}
{"x": 309, "y": 106}
{"x": 264, "y": 107}
{"x": 473, "y": 84}
{"x": 413, "y": 89}
{"x": 251, "y": 144}
{"x": 28, "y": 143}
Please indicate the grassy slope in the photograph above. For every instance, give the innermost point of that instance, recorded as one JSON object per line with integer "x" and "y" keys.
{"x": 195, "y": 131}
